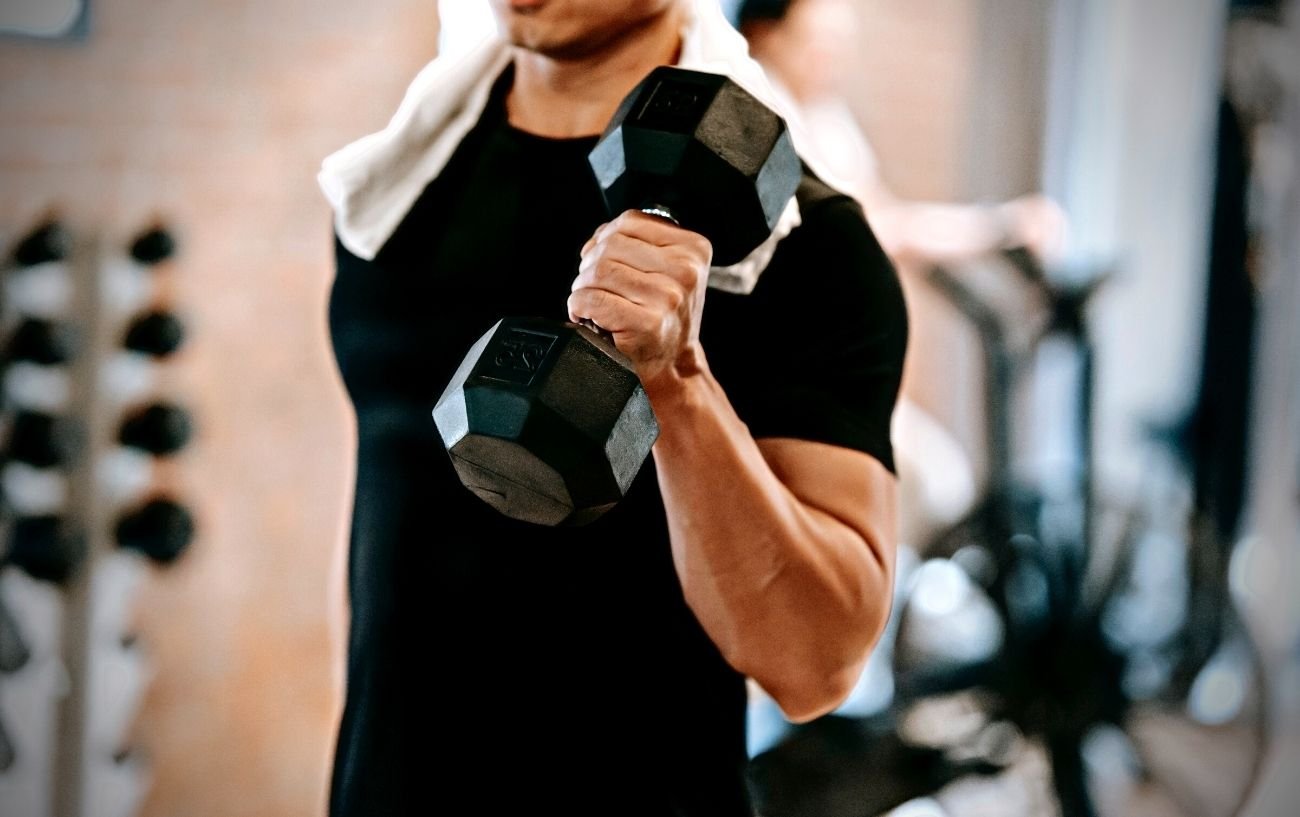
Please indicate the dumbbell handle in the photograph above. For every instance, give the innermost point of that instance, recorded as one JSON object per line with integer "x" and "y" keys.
{"x": 662, "y": 211}
{"x": 659, "y": 210}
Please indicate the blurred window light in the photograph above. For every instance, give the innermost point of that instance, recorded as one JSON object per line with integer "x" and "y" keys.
{"x": 43, "y": 18}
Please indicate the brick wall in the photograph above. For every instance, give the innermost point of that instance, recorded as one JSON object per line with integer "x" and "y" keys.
{"x": 912, "y": 77}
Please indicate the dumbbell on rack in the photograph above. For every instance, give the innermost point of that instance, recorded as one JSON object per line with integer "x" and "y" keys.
{"x": 82, "y": 504}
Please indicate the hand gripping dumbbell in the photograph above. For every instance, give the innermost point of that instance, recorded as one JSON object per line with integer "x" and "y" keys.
{"x": 546, "y": 421}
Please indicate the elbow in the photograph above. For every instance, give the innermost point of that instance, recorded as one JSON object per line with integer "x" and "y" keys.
{"x": 815, "y": 697}
{"x": 814, "y": 688}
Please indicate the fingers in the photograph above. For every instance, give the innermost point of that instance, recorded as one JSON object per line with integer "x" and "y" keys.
{"x": 642, "y": 280}
{"x": 591, "y": 242}
{"x": 615, "y": 254}
{"x": 653, "y": 230}
{"x": 642, "y": 273}
{"x": 638, "y": 287}
{"x": 613, "y": 313}
{"x": 624, "y": 249}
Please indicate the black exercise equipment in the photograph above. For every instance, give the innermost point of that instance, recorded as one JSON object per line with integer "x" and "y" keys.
{"x": 157, "y": 334}
{"x": 161, "y": 529}
{"x": 44, "y": 548}
{"x": 852, "y": 766}
{"x": 1082, "y": 654}
{"x": 160, "y": 429}
{"x": 547, "y": 421}
{"x": 40, "y": 341}
{"x": 48, "y": 242}
{"x": 153, "y": 246}
{"x": 42, "y": 440}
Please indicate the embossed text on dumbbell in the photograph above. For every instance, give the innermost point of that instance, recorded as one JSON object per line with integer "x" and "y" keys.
{"x": 518, "y": 355}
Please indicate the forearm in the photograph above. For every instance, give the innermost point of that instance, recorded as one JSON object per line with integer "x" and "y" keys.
{"x": 792, "y": 595}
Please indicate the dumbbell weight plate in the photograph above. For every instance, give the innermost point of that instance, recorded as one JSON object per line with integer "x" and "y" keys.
{"x": 546, "y": 422}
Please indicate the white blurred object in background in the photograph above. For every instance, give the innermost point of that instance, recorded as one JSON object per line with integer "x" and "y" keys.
{"x": 461, "y": 24}
{"x": 936, "y": 481}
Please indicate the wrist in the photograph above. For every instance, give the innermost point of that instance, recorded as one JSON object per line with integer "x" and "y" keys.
{"x": 682, "y": 385}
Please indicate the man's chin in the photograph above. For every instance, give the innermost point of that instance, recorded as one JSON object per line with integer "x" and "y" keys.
{"x": 549, "y": 45}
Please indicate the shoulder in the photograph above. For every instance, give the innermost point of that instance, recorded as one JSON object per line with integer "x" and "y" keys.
{"x": 832, "y": 222}
{"x": 833, "y": 262}
{"x": 815, "y": 351}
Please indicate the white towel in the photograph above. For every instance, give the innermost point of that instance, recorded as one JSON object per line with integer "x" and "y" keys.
{"x": 373, "y": 182}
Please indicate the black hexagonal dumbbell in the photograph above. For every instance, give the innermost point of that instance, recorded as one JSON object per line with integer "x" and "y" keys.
{"x": 40, "y": 341}
{"x": 161, "y": 529}
{"x": 48, "y": 242}
{"x": 156, "y": 333}
{"x": 153, "y": 246}
{"x": 160, "y": 429}
{"x": 546, "y": 421}
{"x": 42, "y": 440}
{"x": 45, "y": 548}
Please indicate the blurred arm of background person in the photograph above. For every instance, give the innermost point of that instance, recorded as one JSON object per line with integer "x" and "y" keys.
{"x": 806, "y": 46}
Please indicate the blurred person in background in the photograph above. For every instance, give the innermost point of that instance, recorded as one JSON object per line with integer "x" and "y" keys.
{"x": 807, "y": 48}
{"x": 599, "y": 669}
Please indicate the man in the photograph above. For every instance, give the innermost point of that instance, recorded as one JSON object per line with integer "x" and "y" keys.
{"x": 599, "y": 669}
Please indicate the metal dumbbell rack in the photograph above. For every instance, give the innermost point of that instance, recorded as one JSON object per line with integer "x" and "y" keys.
{"x": 84, "y": 675}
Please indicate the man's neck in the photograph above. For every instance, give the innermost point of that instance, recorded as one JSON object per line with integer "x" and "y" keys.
{"x": 565, "y": 98}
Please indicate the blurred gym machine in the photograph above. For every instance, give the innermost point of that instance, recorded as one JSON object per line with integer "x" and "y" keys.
{"x": 1093, "y": 639}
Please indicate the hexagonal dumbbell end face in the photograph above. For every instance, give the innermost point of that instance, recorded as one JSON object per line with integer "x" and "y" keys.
{"x": 48, "y": 242}
{"x": 707, "y": 150}
{"x": 546, "y": 421}
{"x": 44, "y": 548}
{"x": 155, "y": 333}
{"x": 160, "y": 429}
{"x": 161, "y": 529}
{"x": 43, "y": 440}
{"x": 42, "y": 342}
{"x": 153, "y": 246}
